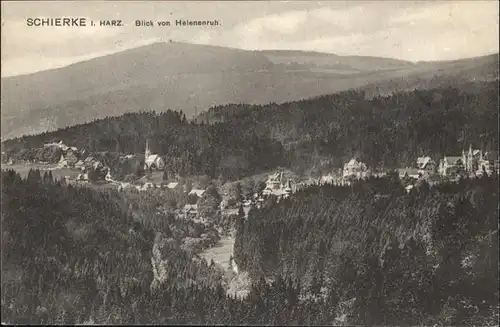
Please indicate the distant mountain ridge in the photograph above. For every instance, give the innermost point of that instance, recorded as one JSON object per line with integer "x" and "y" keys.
{"x": 193, "y": 78}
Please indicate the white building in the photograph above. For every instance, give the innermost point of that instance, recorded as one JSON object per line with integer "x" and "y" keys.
{"x": 273, "y": 183}
{"x": 277, "y": 185}
{"x": 426, "y": 166}
{"x": 108, "y": 175}
{"x": 355, "y": 169}
{"x": 152, "y": 161}
{"x": 409, "y": 172}
{"x": 198, "y": 192}
{"x": 472, "y": 162}
{"x": 172, "y": 185}
{"x": 451, "y": 165}
{"x": 122, "y": 186}
{"x": 68, "y": 160}
{"x": 84, "y": 177}
{"x": 148, "y": 186}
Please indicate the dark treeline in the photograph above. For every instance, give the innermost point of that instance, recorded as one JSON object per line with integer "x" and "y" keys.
{"x": 383, "y": 131}
{"x": 370, "y": 254}
{"x": 203, "y": 149}
{"x": 389, "y": 258}
{"x": 302, "y": 135}
{"x": 73, "y": 255}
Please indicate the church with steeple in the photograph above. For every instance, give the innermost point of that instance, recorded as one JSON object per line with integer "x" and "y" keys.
{"x": 473, "y": 162}
{"x": 471, "y": 159}
{"x": 152, "y": 161}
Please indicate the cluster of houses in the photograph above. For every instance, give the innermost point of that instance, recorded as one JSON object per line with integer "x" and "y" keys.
{"x": 276, "y": 185}
{"x": 6, "y": 160}
{"x": 472, "y": 163}
{"x": 279, "y": 186}
{"x": 60, "y": 145}
{"x": 190, "y": 211}
{"x": 71, "y": 158}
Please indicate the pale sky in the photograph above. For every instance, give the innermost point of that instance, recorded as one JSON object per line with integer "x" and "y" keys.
{"x": 415, "y": 31}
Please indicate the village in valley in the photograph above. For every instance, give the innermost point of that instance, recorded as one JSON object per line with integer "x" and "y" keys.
{"x": 295, "y": 163}
{"x": 94, "y": 169}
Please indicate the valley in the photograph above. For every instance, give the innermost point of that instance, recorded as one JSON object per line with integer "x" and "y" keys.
{"x": 179, "y": 183}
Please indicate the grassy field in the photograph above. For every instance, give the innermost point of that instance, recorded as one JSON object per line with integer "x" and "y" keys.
{"x": 23, "y": 170}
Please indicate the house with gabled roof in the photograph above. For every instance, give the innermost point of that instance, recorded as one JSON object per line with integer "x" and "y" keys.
{"x": 426, "y": 166}
{"x": 488, "y": 163}
{"x": 80, "y": 165}
{"x": 451, "y": 165}
{"x": 190, "y": 211}
{"x": 278, "y": 185}
{"x": 172, "y": 185}
{"x": 273, "y": 183}
{"x": 198, "y": 192}
{"x": 355, "y": 169}
{"x": 68, "y": 159}
{"x": 89, "y": 161}
{"x": 409, "y": 173}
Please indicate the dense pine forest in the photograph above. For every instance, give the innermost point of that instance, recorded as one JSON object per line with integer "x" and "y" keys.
{"x": 389, "y": 258}
{"x": 77, "y": 255}
{"x": 366, "y": 254}
{"x": 371, "y": 253}
{"x": 311, "y": 135}
{"x": 385, "y": 132}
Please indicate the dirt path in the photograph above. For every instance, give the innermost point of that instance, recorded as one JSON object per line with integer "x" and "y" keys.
{"x": 221, "y": 252}
{"x": 238, "y": 284}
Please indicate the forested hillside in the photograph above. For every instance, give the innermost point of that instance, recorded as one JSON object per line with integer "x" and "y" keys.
{"x": 309, "y": 135}
{"x": 384, "y": 131}
{"x": 390, "y": 258}
{"x": 76, "y": 255}
{"x": 370, "y": 254}
{"x": 189, "y": 149}
{"x": 188, "y": 77}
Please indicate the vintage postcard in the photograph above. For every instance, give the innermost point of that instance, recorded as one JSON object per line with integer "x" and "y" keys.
{"x": 250, "y": 163}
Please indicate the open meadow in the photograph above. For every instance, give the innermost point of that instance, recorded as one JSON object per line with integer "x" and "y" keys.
{"x": 57, "y": 172}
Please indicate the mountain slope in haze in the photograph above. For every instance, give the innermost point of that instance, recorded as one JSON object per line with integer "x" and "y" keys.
{"x": 310, "y": 137}
{"x": 191, "y": 78}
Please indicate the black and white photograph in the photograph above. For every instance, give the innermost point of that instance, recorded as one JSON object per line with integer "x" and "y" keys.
{"x": 287, "y": 163}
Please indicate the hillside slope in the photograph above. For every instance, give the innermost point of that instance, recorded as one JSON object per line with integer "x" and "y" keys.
{"x": 92, "y": 261}
{"x": 429, "y": 257}
{"x": 315, "y": 135}
{"x": 191, "y": 78}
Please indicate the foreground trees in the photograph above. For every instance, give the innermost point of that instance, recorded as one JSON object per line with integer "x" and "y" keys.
{"x": 427, "y": 257}
{"x": 73, "y": 255}
{"x": 365, "y": 254}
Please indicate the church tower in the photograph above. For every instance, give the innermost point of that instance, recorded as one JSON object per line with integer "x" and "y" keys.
{"x": 464, "y": 159}
{"x": 470, "y": 158}
{"x": 147, "y": 153}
